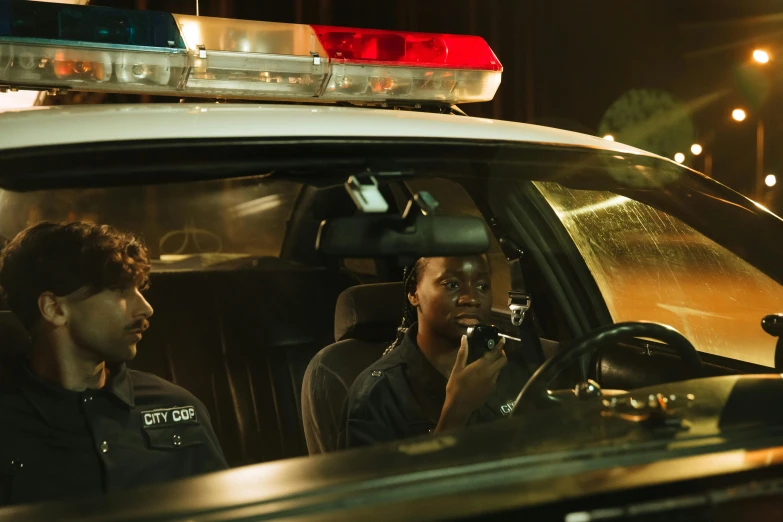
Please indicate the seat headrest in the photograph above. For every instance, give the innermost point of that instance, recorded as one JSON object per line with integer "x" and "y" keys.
{"x": 369, "y": 312}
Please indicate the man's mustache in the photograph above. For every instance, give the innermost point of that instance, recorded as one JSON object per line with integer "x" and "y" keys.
{"x": 141, "y": 324}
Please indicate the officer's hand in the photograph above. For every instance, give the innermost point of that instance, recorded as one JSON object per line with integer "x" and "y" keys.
{"x": 470, "y": 385}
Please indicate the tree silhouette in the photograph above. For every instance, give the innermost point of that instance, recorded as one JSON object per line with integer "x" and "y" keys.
{"x": 651, "y": 120}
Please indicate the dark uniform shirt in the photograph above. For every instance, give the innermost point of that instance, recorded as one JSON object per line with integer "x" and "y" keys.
{"x": 401, "y": 395}
{"x": 138, "y": 429}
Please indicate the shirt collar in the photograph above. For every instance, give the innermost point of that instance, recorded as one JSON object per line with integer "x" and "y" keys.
{"x": 422, "y": 373}
{"x": 120, "y": 385}
{"x": 62, "y": 408}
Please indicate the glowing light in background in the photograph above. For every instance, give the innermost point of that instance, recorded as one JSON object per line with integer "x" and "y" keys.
{"x": 679, "y": 157}
{"x": 696, "y": 149}
{"x": 771, "y": 180}
{"x": 761, "y": 56}
{"x": 609, "y": 137}
{"x": 738, "y": 115}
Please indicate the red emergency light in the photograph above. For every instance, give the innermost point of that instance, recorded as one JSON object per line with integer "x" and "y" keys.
{"x": 401, "y": 48}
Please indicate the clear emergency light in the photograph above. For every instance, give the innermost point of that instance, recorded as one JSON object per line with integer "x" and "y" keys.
{"x": 88, "y": 48}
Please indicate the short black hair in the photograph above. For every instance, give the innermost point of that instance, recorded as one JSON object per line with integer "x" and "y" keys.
{"x": 62, "y": 258}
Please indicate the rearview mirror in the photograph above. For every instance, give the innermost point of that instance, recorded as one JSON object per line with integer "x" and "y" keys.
{"x": 380, "y": 235}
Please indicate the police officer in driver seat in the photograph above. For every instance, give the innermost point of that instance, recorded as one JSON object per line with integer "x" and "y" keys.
{"x": 74, "y": 420}
{"x": 425, "y": 383}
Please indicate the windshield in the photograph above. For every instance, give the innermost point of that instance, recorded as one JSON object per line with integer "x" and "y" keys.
{"x": 248, "y": 312}
{"x": 651, "y": 265}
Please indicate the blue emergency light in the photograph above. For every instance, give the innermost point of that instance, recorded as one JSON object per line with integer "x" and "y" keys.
{"x": 36, "y": 21}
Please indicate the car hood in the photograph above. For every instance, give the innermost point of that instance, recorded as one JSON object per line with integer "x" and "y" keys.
{"x": 559, "y": 454}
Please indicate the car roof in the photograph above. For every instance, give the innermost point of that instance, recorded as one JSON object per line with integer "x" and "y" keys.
{"x": 63, "y": 125}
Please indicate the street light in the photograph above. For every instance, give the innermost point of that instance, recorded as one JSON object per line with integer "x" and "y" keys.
{"x": 738, "y": 115}
{"x": 696, "y": 149}
{"x": 609, "y": 137}
{"x": 761, "y": 56}
{"x": 679, "y": 157}
{"x": 770, "y": 180}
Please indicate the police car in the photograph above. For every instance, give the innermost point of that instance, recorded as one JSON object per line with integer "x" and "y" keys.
{"x": 641, "y": 295}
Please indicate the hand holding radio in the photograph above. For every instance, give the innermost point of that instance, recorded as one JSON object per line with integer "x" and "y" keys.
{"x": 473, "y": 379}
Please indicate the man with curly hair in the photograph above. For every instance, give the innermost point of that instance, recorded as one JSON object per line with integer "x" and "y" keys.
{"x": 73, "y": 419}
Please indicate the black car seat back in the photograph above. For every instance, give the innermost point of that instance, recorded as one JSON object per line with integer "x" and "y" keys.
{"x": 365, "y": 322}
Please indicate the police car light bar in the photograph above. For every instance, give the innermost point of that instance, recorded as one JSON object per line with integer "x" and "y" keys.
{"x": 54, "y": 46}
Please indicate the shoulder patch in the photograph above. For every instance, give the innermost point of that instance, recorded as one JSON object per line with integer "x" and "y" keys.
{"x": 368, "y": 381}
{"x": 378, "y": 372}
{"x": 169, "y": 416}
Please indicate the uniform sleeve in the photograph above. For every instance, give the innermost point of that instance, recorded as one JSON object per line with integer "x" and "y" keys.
{"x": 370, "y": 415}
{"x": 214, "y": 459}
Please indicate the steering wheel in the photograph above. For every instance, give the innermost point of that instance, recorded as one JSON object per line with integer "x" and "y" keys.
{"x": 535, "y": 391}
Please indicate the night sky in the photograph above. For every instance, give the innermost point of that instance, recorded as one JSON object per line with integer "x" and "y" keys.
{"x": 566, "y": 61}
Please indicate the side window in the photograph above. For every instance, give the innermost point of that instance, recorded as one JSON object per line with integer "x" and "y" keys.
{"x": 651, "y": 266}
{"x": 455, "y": 201}
{"x": 185, "y": 225}
{"x": 361, "y": 267}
